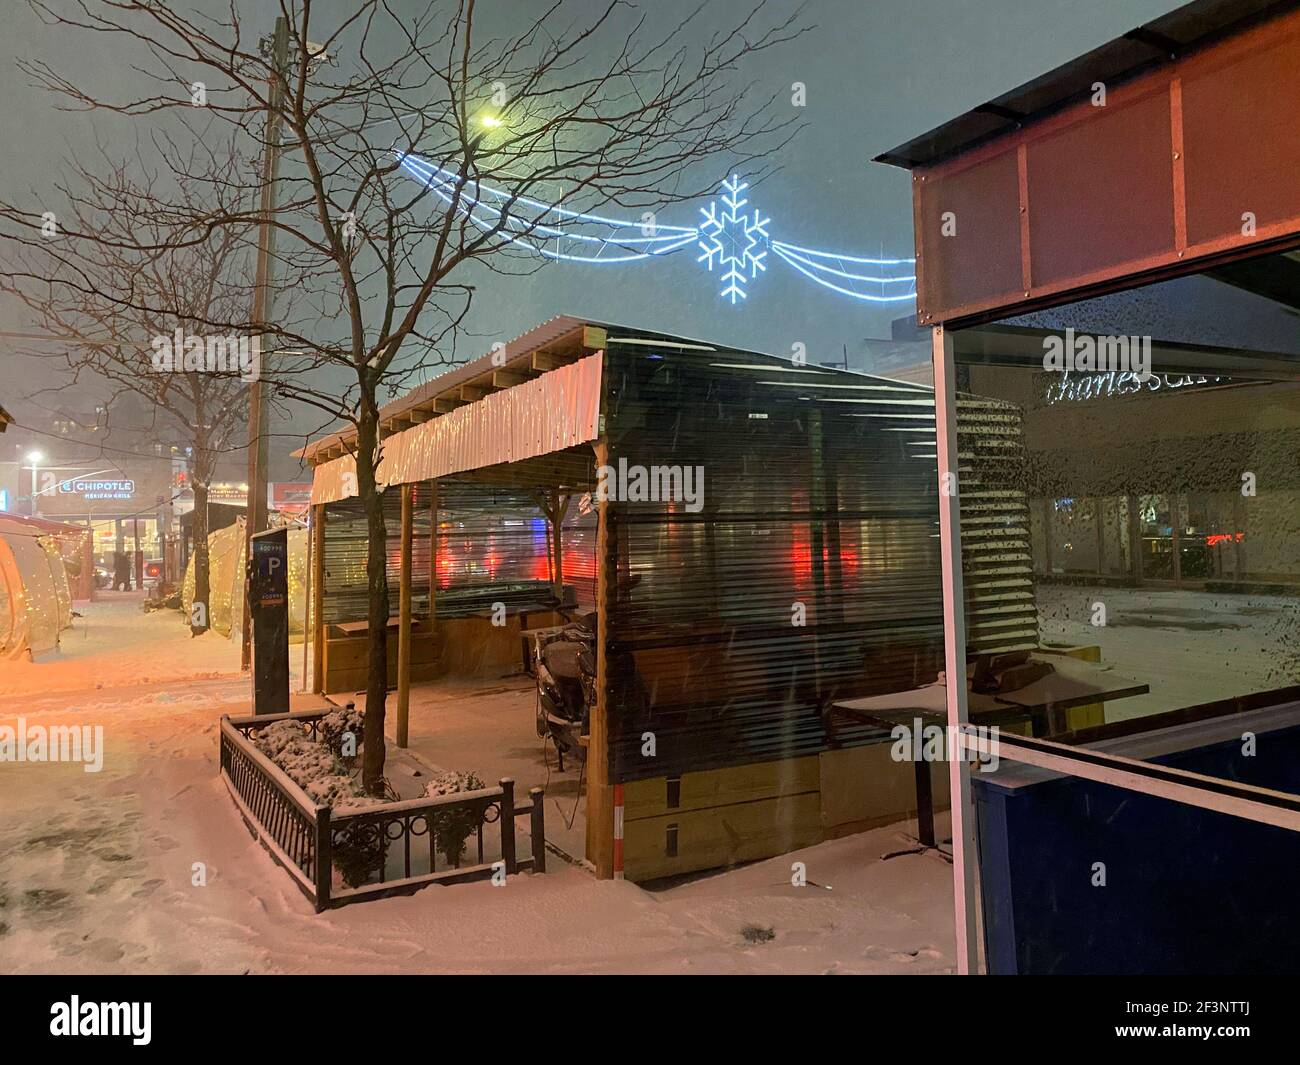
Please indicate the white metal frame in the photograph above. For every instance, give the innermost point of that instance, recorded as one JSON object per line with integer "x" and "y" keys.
{"x": 954, "y": 651}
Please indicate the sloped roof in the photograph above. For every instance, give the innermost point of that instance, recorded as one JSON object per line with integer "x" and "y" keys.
{"x": 1177, "y": 33}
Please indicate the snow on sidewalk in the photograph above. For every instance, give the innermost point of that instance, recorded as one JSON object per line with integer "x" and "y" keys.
{"x": 114, "y": 644}
{"x": 97, "y": 871}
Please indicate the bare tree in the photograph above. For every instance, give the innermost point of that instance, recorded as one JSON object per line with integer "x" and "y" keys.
{"x": 124, "y": 303}
{"x": 419, "y": 146}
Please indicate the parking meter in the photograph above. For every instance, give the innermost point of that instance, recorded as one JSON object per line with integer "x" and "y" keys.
{"x": 268, "y": 610}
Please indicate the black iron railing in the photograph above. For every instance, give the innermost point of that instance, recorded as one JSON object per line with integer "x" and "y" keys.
{"x": 337, "y": 857}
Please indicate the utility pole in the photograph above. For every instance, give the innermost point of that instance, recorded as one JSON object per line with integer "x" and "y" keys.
{"x": 263, "y": 296}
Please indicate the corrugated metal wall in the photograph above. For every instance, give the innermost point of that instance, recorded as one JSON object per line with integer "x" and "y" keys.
{"x": 346, "y": 540}
{"x": 494, "y": 546}
{"x": 819, "y": 496}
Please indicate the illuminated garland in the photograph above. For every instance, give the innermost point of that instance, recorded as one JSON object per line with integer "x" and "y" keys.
{"x": 731, "y": 240}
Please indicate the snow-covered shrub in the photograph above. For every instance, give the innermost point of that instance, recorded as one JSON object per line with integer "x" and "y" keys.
{"x": 309, "y": 764}
{"x": 274, "y": 738}
{"x": 318, "y": 767}
{"x": 453, "y": 825}
{"x": 337, "y": 728}
{"x": 359, "y": 850}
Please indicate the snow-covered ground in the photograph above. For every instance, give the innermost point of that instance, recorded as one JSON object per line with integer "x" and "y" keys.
{"x": 1189, "y": 646}
{"x": 114, "y": 643}
{"x": 97, "y": 870}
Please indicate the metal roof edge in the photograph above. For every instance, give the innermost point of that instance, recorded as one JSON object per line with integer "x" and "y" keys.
{"x": 1172, "y": 35}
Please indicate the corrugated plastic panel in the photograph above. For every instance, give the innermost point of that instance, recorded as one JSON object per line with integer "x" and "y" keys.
{"x": 819, "y": 494}
{"x": 494, "y": 545}
{"x": 555, "y": 411}
{"x": 346, "y": 545}
{"x": 997, "y": 564}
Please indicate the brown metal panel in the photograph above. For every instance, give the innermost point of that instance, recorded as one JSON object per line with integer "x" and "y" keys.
{"x": 1101, "y": 190}
{"x": 1156, "y": 181}
{"x": 1239, "y": 131}
{"x": 980, "y": 260}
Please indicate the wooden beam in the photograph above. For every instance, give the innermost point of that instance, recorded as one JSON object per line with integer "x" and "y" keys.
{"x": 318, "y": 597}
{"x": 472, "y": 393}
{"x": 505, "y": 379}
{"x": 433, "y": 553}
{"x": 401, "y": 728}
{"x": 548, "y": 360}
{"x": 447, "y": 404}
{"x": 600, "y": 793}
{"x": 594, "y": 337}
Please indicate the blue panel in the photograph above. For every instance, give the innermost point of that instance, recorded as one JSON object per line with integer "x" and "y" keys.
{"x": 1187, "y": 890}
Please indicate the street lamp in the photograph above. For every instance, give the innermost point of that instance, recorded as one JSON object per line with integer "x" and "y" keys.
{"x": 35, "y": 458}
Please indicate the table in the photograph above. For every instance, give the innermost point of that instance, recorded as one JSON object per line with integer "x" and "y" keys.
{"x": 930, "y": 704}
{"x": 1075, "y": 682}
{"x": 1043, "y": 703}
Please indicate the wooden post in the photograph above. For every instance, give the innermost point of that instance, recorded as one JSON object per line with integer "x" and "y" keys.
{"x": 307, "y": 623}
{"x": 318, "y": 597}
{"x": 600, "y": 793}
{"x": 401, "y": 728}
{"x": 537, "y": 829}
{"x": 433, "y": 552}
{"x": 558, "y": 505}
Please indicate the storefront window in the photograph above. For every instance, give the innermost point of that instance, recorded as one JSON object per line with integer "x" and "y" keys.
{"x": 1162, "y": 514}
{"x": 1164, "y": 502}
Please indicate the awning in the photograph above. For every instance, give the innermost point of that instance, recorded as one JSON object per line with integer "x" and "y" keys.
{"x": 550, "y": 413}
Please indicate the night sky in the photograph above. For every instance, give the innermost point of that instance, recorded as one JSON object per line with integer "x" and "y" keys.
{"x": 878, "y": 72}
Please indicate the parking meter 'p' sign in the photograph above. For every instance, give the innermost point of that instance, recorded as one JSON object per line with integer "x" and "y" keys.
{"x": 268, "y": 608}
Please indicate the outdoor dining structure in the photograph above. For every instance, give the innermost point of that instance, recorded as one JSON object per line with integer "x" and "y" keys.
{"x": 1111, "y": 252}
{"x": 761, "y": 545}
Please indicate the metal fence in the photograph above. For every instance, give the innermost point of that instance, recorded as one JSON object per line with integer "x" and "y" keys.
{"x": 372, "y": 852}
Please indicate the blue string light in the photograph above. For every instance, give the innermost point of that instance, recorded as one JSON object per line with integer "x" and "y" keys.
{"x": 734, "y": 240}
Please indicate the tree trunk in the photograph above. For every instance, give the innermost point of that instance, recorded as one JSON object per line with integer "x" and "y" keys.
{"x": 200, "y": 620}
{"x": 372, "y": 766}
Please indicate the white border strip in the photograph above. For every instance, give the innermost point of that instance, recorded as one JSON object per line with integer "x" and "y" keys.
{"x": 964, "y": 853}
{"x": 1135, "y": 775}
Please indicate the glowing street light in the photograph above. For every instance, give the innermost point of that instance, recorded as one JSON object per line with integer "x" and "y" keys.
{"x": 35, "y": 458}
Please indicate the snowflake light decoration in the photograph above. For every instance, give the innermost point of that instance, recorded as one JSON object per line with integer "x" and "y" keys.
{"x": 734, "y": 239}
{"x": 730, "y": 238}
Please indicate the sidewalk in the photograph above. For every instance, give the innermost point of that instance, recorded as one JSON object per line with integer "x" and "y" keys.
{"x": 146, "y": 866}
